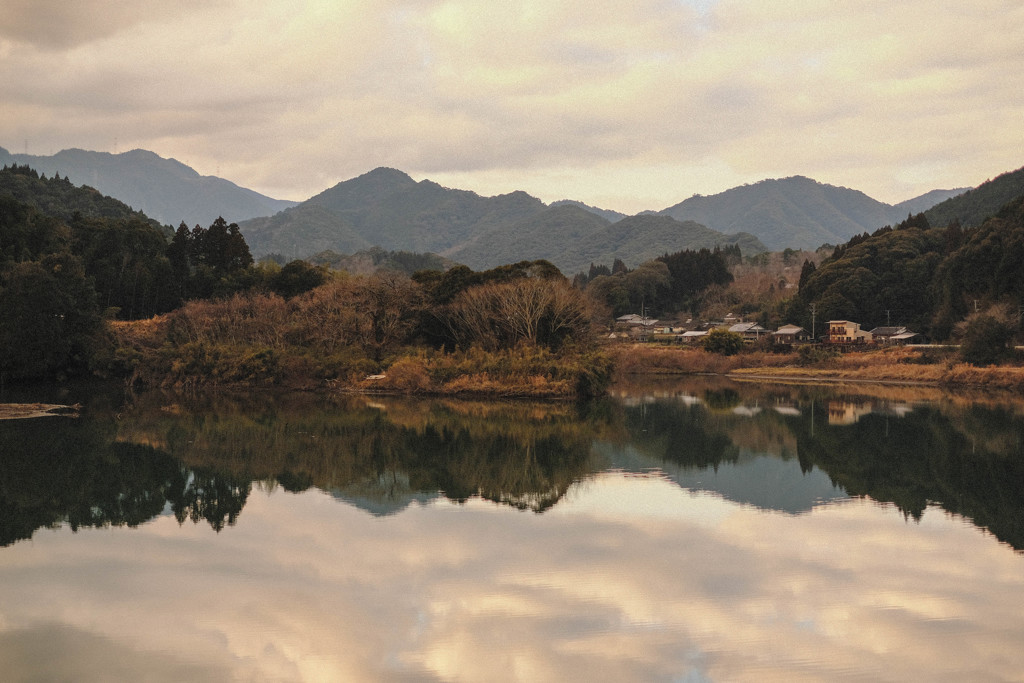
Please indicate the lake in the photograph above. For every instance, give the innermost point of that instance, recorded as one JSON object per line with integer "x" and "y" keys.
{"x": 696, "y": 530}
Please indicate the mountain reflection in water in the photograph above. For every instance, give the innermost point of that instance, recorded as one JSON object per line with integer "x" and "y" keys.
{"x": 704, "y": 531}
{"x": 777, "y": 448}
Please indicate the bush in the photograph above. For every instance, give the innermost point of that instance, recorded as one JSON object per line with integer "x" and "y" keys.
{"x": 812, "y": 354}
{"x": 986, "y": 341}
{"x": 723, "y": 342}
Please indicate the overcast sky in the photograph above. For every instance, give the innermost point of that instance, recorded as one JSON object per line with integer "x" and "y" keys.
{"x": 623, "y": 105}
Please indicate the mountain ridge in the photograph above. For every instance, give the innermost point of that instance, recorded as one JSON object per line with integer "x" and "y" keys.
{"x": 389, "y": 209}
{"x": 795, "y": 212}
{"x": 386, "y": 207}
{"x": 165, "y": 189}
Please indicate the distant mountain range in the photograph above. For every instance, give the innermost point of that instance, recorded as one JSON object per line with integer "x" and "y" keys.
{"x": 386, "y": 208}
{"x": 798, "y": 212}
{"x": 164, "y": 189}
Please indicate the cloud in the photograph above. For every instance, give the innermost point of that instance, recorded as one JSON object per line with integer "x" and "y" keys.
{"x": 289, "y": 98}
{"x": 305, "y": 587}
{"x": 54, "y": 24}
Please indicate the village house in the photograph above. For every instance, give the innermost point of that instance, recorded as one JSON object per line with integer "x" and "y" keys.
{"x": 750, "y": 332}
{"x": 693, "y": 336}
{"x": 846, "y": 332}
{"x": 791, "y": 334}
{"x": 640, "y": 328}
{"x": 893, "y": 335}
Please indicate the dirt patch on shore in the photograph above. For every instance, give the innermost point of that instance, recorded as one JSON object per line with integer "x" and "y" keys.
{"x": 21, "y": 411}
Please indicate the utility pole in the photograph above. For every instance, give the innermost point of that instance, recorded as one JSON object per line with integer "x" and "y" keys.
{"x": 813, "y": 313}
{"x": 887, "y": 323}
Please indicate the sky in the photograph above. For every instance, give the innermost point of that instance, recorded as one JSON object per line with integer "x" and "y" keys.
{"x": 622, "y": 105}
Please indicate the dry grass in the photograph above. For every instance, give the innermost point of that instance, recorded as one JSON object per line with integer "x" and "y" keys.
{"x": 898, "y": 365}
{"x": 660, "y": 360}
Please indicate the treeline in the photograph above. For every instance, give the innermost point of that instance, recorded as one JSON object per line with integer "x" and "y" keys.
{"x": 934, "y": 280}
{"x": 70, "y": 258}
{"x": 971, "y": 208}
{"x": 60, "y": 198}
{"x": 371, "y": 260}
{"x": 668, "y": 284}
{"x": 519, "y": 329}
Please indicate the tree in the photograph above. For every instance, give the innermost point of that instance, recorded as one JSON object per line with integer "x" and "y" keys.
{"x": 297, "y": 277}
{"x": 537, "y": 311}
{"x": 987, "y": 336}
{"x": 387, "y": 306}
{"x": 724, "y": 342}
{"x": 50, "y": 318}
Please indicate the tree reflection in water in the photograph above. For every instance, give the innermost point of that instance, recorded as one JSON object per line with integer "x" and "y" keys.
{"x": 199, "y": 458}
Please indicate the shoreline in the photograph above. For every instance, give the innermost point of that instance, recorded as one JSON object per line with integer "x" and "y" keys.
{"x": 893, "y": 366}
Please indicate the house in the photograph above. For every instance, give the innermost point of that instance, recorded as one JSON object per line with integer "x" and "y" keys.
{"x": 632, "y": 320}
{"x": 749, "y": 331}
{"x": 893, "y": 335}
{"x": 790, "y": 334}
{"x": 846, "y": 332}
{"x": 693, "y": 336}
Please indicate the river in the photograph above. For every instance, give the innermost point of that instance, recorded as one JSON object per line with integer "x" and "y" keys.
{"x": 696, "y": 530}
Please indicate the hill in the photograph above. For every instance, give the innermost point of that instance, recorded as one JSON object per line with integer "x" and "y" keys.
{"x": 62, "y": 199}
{"x": 373, "y": 260}
{"x": 794, "y": 212}
{"x": 972, "y": 207}
{"x": 641, "y": 238}
{"x": 302, "y": 231}
{"x": 607, "y": 214}
{"x": 388, "y": 209}
{"x": 165, "y": 189}
{"x": 553, "y": 234}
{"x": 926, "y": 201}
{"x": 928, "y": 278}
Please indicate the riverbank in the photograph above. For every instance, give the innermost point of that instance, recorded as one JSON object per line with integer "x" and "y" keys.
{"x": 150, "y": 354}
{"x": 903, "y": 365}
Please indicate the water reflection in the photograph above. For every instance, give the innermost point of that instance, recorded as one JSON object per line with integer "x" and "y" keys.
{"x": 780, "y": 448}
{"x": 693, "y": 532}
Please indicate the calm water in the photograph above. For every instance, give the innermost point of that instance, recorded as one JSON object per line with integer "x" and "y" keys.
{"x": 700, "y": 531}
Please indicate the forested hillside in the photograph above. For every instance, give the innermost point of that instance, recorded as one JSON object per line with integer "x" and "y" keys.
{"x": 972, "y": 207}
{"x": 70, "y": 257}
{"x": 62, "y": 199}
{"x": 387, "y": 208}
{"x": 928, "y": 278}
{"x": 165, "y": 189}
{"x": 792, "y": 212}
{"x": 638, "y": 239}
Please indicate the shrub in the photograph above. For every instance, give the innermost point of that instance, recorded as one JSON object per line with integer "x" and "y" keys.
{"x": 407, "y": 375}
{"x": 723, "y": 342}
{"x": 986, "y": 340}
{"x": 812, "y": 354}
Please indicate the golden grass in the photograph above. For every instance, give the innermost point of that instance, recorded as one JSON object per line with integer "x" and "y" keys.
{"x": 897, "y": 365}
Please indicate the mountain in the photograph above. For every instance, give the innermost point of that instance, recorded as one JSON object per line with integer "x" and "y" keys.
{"x": 607, "y": 214}
{"x": 301, "y": 231}
{"x": 972, "y": 207}
{"x": 644, "y": 237}
{"x": 926, "y": 201}
{"x": 165, "y": 189}
{"x": 62, "y": 199}
{"x": 798, "y": 212}
{"x": 551, "y": 234}
{"x": 792, "y": 212}
{"x": 388, "y": 209}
